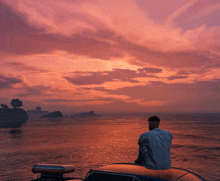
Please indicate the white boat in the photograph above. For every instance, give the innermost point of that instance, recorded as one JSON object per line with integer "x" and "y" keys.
{"x": 115, "y": 172}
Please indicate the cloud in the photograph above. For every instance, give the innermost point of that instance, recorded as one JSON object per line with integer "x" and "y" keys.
{"x": 29, "y": 91}
{"x": 169, "y": 93}
{"x": 123, "y": 75}
{"x": 69, "y": 17}
{"x": 176, "y": 77}
{"x": 151, "y": 70}
{"x": 80, "y": 100}
{"x": 8, "y": 81}
{"x": 11, "y": 21}
{"x": 57, "y": 100}
{"x": 102, "y": 30}
{"x": 159, "y": 96}
{"x": 23, "y": 67}
{"x": 91, "y": 19}
{"x": 194, "y": 10}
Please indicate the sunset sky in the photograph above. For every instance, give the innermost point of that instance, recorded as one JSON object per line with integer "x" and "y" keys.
{"x": 111, "y": 55}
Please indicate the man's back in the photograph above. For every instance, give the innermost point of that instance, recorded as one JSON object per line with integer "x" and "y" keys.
{"x": 156, "y": 144}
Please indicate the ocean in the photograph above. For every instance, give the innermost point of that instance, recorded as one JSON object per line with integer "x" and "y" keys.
{"x": 96, "y": 141}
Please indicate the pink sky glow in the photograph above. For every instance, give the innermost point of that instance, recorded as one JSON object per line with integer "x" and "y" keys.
{"x": 111, "y": 56}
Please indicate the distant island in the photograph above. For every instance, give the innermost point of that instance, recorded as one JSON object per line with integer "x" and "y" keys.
{"x": 56, "y": 114}
{"x": 37, "y": 113}
{"x": 14, "y": 117}
{"x": 85, "y": 114}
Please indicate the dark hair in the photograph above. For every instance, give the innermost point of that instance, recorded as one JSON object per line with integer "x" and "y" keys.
{"x": 154, "y": 118}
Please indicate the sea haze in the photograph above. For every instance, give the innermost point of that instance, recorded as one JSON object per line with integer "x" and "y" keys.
{"x": 91, "y": 142}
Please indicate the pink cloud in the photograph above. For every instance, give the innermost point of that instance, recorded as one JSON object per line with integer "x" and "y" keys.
{"x": 110, "y": 32}
{"x": 151, "y": 70}
{"x": 172, "y": 93}
{"x": 193, "y": 10}
{"x": 84, "y": 100}
{"x": 23, "y": 67}
{"x": 7, "y": 81}
{"x": 124, "y": 75}
{"x": 30, "y": 91}
{"x": 176, "y": 77}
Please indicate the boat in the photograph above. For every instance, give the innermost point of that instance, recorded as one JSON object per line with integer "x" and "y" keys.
{"x": 115, "y": 172}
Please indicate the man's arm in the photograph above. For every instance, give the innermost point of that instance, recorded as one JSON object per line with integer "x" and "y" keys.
{"x": 143, "y": 140}
{"x": 171, "y": 136}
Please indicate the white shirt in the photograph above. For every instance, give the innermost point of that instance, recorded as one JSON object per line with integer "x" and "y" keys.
{"x": 155, "y": 145}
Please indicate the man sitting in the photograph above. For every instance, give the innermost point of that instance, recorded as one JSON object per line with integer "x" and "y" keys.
{"x": 154, "y": 146}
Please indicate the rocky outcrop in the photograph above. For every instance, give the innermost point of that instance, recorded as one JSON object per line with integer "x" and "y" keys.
{"x": 12, "y": 118}
{"x": 85, "y": 114}
{"x": 56, "y": 114}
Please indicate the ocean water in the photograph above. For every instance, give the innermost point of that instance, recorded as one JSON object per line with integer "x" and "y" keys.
{"x": 92, "y": 142}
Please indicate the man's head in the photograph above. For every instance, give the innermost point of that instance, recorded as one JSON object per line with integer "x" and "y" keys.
{"x": 154, "y": 122}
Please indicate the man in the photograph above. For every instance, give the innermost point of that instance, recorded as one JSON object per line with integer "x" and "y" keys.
{"x": 154, "y": 146}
